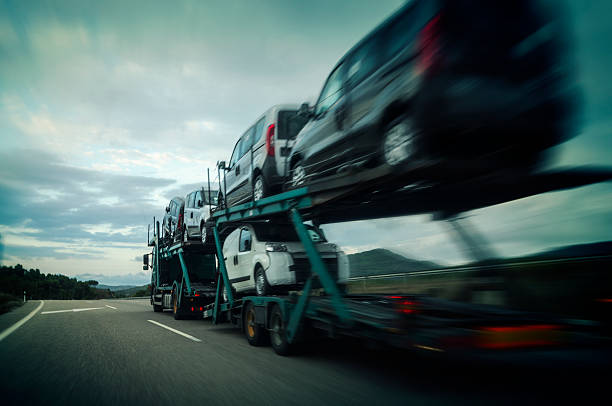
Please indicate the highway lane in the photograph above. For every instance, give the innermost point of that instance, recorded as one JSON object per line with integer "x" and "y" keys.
{"x": 112, "y": 354}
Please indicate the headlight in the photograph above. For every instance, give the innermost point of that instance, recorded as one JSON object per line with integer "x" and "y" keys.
{"x": 276, "y": 247}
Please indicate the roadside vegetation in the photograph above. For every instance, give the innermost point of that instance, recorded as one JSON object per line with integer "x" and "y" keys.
{"x": 14, "y": 280}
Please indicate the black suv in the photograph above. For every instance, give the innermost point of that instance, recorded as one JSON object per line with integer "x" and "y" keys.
{"x": 481, "y": 84}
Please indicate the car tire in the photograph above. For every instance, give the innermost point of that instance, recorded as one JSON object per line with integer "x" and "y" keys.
{"x": 298, "y": 175}
{"x": 259, "y": 188}
{"x": 255, "y": 334}
{"x": 278, "y": 332}
{"x": 203, "y": 234}
{"x": 398, "y": 144}
{"x": 176, "y": 310}
{"x": 262, "y": 288}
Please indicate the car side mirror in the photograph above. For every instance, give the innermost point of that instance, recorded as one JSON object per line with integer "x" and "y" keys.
{"x": 145, "y": 262}
{"x": 221, "y": 165}
{"x": 167, "y": 209}
{"x": 304, "y": 111}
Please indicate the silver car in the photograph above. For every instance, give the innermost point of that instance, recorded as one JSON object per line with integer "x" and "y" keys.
{"x": 258, "y": 165}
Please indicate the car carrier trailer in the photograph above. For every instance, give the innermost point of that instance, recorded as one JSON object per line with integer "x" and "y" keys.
{"x": 400, "y": 320}
{"x": 183, "y": 276}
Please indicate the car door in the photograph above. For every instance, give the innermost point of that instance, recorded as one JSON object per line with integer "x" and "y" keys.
{"x": 191, "y": 213}
{"x": 327, "y": 127}
{"x": 231, "y": 179}
{"x": 363, "y": 85}
{"x": 245, "y": 259}
{"x": 243, "y": 167}
{"x": 230, "y": 251}
{"x": 197, "y": 212}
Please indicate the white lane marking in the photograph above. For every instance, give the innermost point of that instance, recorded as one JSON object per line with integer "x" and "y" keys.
{"x": 176, "y": 331}
{"x": 112, "y": 307}
{"x": 72, "y": 310}
{"x": 21, "y": 322}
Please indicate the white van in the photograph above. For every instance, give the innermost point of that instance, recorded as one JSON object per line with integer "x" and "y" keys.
{"x": 199, "y": 205}
{"x": 258, "y": 165}
{"x": 266, "y": 257}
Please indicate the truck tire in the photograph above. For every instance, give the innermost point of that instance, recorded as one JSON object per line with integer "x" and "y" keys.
{"x": 278, "y": 332}
{"x": 255, "y": 334}
{"x": 176, "y": 311}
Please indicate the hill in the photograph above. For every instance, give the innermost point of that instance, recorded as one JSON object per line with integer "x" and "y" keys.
{"x": 381, "y": 262}
{"x": 117, "y": 288}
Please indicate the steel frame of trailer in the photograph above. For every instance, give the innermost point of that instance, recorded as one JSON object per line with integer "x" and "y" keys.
{"x": 317, "y": 202}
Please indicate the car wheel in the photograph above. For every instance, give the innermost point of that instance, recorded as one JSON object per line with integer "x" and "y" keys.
{"x": 399, "y": 140}
{"x": 298, "y": 174}
{"x": 220, "y": 201}
{"x": 176, "y": 311}
{"x": 255, "y": 333}
{"x": 278, "y": 332}
{"x": 262, "y": 288}
{"x": 203, "y": 233}
{"x": 259, "y": 188}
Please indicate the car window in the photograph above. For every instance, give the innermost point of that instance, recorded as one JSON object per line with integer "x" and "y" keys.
{"x": 172, "y": 208}
{"x": 236, "y": 153}
{"x": 363, "y": 62}
{"x": 289, "y": 124}
{"x": 332, "y": 91}
{"x": 213, "y": 197}
{"x": 400, "y": 33}
{"x": 259, "y": 130}
{"x": 189, "y": 201}
{"x": 247, "y": 141}
{"x": 198, "y": 197}
{"x": 284, "y": 233}
{"x": 245, "y": 240}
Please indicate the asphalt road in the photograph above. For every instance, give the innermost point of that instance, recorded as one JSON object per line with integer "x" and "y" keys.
{"x": 114, "y": 355}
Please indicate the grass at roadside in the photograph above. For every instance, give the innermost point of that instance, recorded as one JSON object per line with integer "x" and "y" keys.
{"x": 9, "y": 302}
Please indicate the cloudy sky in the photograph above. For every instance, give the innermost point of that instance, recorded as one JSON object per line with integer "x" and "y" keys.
{"x": 108, "y": 109}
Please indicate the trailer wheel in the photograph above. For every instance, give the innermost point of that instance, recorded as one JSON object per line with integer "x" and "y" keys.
{"x": 278, "y": 332}
{"x": 175, "y": 307}
{"x": 255, "y": 334}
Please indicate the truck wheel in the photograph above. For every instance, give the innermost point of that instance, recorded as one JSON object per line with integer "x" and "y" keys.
{"x": 255, "y": 334}
{"x": 278, "y": 333}
{"x": 176, "y": 311}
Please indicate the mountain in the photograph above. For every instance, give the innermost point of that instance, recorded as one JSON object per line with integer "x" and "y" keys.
{"x": 114, "y": 288}
{"x": 381, "y": 262}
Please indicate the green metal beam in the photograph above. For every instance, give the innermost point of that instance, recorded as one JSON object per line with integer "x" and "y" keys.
{"x": 223, "y": 274}
{"x": 298, "y": 311}
{"x": 319, "y": 268}
{"x": 268, "y": 206}
{"x": 185, "y": 273}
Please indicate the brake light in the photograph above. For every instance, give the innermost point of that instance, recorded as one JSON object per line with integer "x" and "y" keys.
{"x": 428, "y": 45}
{"x": 404, "y": 304}
{"x": 192, "y": 309}
{"x": 180, "y": 220}
{"x": 201, "y": 308}
{"x": 270, "y": 140}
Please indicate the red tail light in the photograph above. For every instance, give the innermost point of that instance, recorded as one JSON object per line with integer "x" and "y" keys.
{"x": 404, "y": 304}
{"x": 180, "y": 220}
{"x": 428, "y": 44}
{"x": 270, "y": 140}
{"x": 201, "y": 308}
{"x": 192, "y": 309}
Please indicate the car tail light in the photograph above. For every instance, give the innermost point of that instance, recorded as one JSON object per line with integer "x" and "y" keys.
{"x": 180, "y": 220}
{"x": 428, "y": 45}
{"x": 404, "y": 304}
{"x": 192, "y": 309}
{"x": 519, "y": 336}
{"x": 270, "y": 140}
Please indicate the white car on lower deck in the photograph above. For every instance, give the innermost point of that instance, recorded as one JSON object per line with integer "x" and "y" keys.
{"x": 268, "y": 257}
